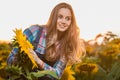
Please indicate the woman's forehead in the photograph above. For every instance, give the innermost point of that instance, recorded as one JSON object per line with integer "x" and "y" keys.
{"x": 64, "y": 11}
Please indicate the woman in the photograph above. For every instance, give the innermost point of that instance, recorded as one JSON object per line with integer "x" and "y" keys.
{"x": 57, "y": 43}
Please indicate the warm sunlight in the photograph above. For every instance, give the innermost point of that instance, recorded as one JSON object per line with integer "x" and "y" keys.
{"x": 92, "y": 18}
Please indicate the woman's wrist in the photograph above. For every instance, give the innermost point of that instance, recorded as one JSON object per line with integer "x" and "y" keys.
{"x": 40, "y": 63}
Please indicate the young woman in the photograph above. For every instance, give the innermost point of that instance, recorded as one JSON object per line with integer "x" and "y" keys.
{"x": 58, "y": 42}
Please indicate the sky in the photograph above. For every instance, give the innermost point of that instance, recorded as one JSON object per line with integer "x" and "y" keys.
{"x": 92, "y": 16}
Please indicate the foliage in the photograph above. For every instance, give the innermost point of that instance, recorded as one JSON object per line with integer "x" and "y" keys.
{"x": 115, "y": 72}
{"x": 107, "y": 54}
{"x": 16, "y": 73}
{"x": 4, "y": 52}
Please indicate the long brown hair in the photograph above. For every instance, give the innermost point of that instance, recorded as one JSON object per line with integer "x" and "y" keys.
{"x": 69, "y": 44}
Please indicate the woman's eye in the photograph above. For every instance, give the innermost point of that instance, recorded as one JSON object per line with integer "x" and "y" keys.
{"x": 68, "y": 18}
{"x": 60, "y": 16}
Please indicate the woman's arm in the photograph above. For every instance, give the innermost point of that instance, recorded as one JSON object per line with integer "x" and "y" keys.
{"x": 12, "y": 58}
{"x": 58, "y": 67}
{"x": 30, "y": 34}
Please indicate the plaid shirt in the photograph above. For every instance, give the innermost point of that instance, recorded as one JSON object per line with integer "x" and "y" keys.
{"x": 31, "y": 34}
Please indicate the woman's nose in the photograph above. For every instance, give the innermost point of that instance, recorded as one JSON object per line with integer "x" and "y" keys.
{"x": 63, "y": 20}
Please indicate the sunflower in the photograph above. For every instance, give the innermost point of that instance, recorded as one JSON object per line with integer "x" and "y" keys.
{"x": 68, "y": 74}
{"x": 86, "y": 67}
{"x": 24, "y": 45}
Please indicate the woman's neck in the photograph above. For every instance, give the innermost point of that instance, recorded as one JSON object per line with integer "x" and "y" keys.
{"x": 60, "y": 35}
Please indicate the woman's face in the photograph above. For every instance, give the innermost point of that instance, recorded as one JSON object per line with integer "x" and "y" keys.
{"x": 63, "y": 19}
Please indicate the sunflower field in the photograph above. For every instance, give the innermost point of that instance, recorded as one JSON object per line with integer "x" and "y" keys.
{"x": 101, "y": 62}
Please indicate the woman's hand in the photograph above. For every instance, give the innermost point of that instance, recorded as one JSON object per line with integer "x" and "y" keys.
{"x": 36, "y": 58}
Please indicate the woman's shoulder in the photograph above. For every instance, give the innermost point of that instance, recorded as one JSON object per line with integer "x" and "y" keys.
{"x": 35, "y": 28}
{"x": 32, "y": 31}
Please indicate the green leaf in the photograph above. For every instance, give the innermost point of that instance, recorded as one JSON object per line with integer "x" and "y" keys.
{"x": 114, "y": 73}
{"x": 14, "y": 70}
{"x": 45, "y": 72}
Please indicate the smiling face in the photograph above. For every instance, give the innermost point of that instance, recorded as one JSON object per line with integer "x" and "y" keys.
{"x": 63, "y": 19}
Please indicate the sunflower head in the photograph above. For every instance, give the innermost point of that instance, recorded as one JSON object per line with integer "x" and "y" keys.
{"x": 68, "y": 74}
{"x": 24, "y": 44}
{"x": 86, "y": 67}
